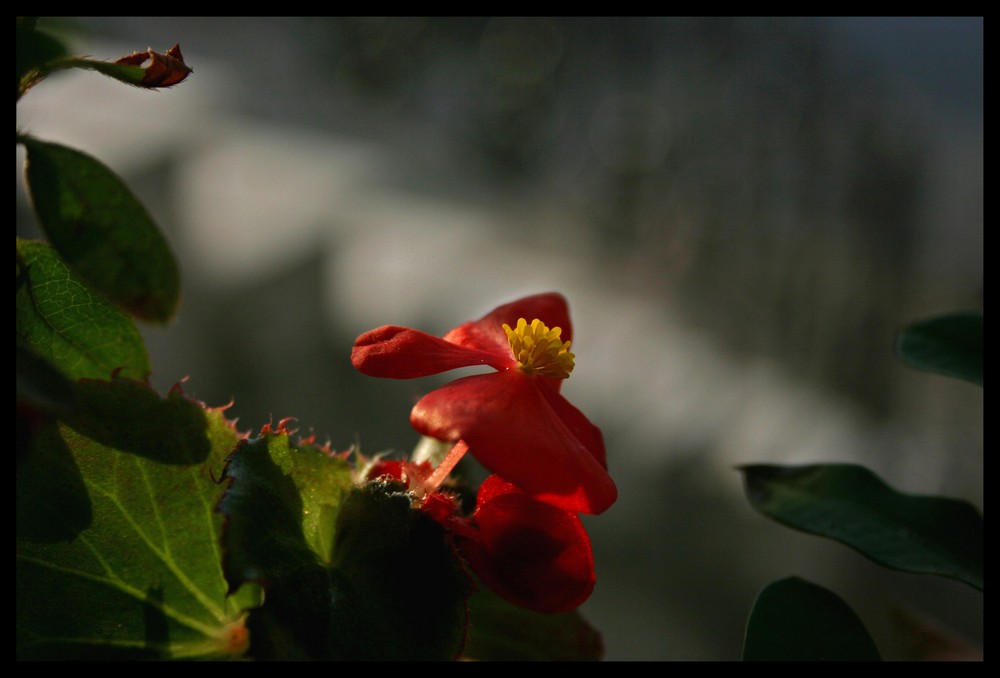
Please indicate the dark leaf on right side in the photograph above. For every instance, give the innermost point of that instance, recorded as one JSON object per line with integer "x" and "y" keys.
{"x": 795, "y": 620}
{"x": 951, "y": 345}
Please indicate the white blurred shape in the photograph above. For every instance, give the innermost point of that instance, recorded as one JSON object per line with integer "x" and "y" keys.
{"x": 260, "y": 198}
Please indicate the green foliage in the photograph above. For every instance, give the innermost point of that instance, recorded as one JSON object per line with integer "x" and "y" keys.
{"x": 40, "y": 385}
{"x": 35, "y": 50}
{"x": 127, "y": 415}
{"x": 118, "y": 554}
{"x": 951, "y": 345}
{"x": 795, "y": 620}
{"x": 101, "y": 231}
{"x": 62, "y": 320}
{"x": 350, "y": 572}
{"x": 281, "y": 507}
{"x": 929, "y": 535}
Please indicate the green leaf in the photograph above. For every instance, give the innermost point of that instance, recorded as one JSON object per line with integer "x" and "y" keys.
{"x": 52, "y": 502}
{"x": 502, "y": 631}
{"x": 282, "y": 506}
{"x": 795, "y": 620}
{"x": 77, "y": 331}
{"x": 40, "y": 384}
{"x": 382, "y": 540}
{"x": 101, "y": 230}
{"x": 951, "y": 345}
{"x": 350, "y": 573}
{"x": 849, "y": 503}
{"x": 118, "y": 556}
{"x": 129, "y": 416}
{"x": 35, "y": 49}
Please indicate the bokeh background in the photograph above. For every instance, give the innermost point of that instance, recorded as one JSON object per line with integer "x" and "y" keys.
{"x": 742, "y": 213}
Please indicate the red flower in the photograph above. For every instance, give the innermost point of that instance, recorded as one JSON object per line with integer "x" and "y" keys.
{"x": 514, "y": 420}
{"x": 531, "y": 553}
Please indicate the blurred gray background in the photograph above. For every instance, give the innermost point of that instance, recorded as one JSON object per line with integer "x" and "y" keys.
{"x": 742, "y": 213}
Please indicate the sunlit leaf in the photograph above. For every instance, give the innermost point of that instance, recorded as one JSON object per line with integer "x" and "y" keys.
{"x": 849, "y": 503}
{"x": 795, "y": 620}
{"x": 502, "y": 631}
{"x": 350, "y": 573}
{"x": 101, "y": 230}
{"x": 951, "y": 345}
{"x": 282, "y": 505}
{"x": 118, "y": 556}
{"x": 59, "y": 318}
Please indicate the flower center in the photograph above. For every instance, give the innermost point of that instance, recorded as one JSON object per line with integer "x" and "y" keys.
{"x": 539, "y": 350}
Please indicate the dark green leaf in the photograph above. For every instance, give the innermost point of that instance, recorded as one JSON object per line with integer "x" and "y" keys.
{"x": 52, "y": 501}
{"x": 351, "y": 573}
{"x": 381, "y": 541}
{"x": 35, "y": 49}
{"x": 129, "y": 416}
{"x": 951, "y": 345}
{"x": 40, "y": 384}
{"x": 849, "y": 503}
{"x": 101, "y": 230}
{"x": 130, "y": 567}
{"x": 795, "y": 620}
{"x": 43, "y": 395}
{"x": 502, "y": 631}
{"x": 75, "y": 330}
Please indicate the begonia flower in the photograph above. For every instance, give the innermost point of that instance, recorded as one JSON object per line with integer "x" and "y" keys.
{"x": 513, "y": 420}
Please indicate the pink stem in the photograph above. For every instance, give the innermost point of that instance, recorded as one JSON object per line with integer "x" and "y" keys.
{"x": 435, "y": 479}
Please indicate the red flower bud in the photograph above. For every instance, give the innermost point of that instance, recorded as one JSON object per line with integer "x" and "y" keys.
{"x": 163, "y": 70}
{"x": 531, "y": 553}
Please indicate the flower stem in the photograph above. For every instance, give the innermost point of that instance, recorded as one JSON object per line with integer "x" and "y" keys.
{"x": 435, "y": 479}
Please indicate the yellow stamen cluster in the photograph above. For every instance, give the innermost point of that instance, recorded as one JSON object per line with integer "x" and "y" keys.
{"x": 539, "y": 350}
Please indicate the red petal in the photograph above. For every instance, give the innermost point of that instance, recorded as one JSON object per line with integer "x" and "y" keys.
{"x": 575, "y": 420}
{"x": 487, "y": 333}
{"x": 519, "y": 428}
{"x": 402, "y": 353}
{"x": 531, "y": 553}
{"x": 494, "y": 487}
{"x": 392, "y": 468}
